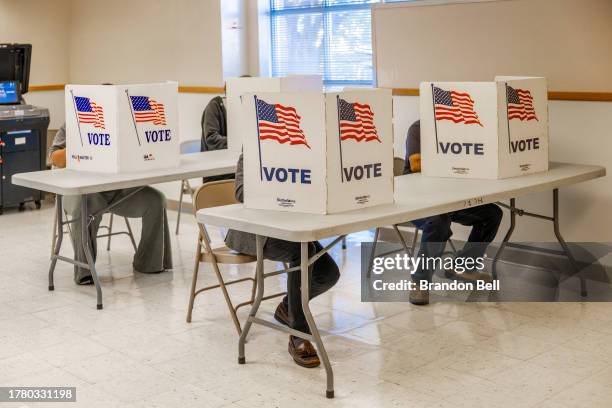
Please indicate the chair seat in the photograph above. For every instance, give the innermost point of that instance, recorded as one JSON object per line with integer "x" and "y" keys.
{"x": 226, "y": 255}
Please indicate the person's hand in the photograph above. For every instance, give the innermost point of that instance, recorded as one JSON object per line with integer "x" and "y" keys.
{"x": 58, "y": 158}
{"x": 415, "y": 162}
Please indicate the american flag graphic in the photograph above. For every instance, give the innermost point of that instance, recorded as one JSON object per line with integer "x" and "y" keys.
{"x": 454, "y": 106}
{"x": 520, "y": 104}
{"x": 356, "y": 121}
{"x": 89, "y": 112}
{"x": 148, "y": 110}
{"x": 280, "y": 123}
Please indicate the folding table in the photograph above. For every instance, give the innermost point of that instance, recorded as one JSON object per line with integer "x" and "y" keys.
{"x": 65, "y": 182}
{"x": 416, "y": 196}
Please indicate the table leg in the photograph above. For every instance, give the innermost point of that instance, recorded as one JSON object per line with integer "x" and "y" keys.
{"x": 506, "y": 238}
{"x": 568, "y": 253}
{"x": 314, "y": 331}
{"x": 59, "y": 227}
{"x": 259, "y": 281}
{"x": 87, "y": 248}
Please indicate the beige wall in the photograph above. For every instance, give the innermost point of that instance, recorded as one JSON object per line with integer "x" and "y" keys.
{"x": 44, "y": 24}
{"x": 146, "y": 40}
{"x": 566, "y": 41}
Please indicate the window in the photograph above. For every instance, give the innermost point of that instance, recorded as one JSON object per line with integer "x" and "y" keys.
{"x": 331, "y": 38}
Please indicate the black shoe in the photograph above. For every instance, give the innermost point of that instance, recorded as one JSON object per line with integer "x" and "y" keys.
{"x": 282, "y": 314}
{"x": 85, "y": 280}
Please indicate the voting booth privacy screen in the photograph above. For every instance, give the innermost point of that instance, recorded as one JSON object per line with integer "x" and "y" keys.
{"x": 484, "y": 130}
{"x": 318, "y": 153}
{"x": 122, "y": 128}
{"x": 235, "y": 87}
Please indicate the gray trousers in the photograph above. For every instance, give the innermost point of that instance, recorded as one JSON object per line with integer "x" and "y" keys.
{"x": 324, "y": 274}
{"x": 154, "y": 252}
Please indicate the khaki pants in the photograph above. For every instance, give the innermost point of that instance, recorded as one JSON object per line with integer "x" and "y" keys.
{"x": 154, "y": 252}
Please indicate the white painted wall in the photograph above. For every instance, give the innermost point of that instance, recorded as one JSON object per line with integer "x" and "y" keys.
{"x": 52, "y": 100}
{"x": 580, "y": 132}
{"x": 234, "y": 29}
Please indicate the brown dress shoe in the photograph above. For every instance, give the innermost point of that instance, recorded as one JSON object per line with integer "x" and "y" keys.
{"x": 419, "y": 297}
{"x": 303, "y": 352}
{"x": 282, "y": 314}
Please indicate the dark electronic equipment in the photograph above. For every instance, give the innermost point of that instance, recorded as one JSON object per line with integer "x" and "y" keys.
{"x": 23, "y": 128}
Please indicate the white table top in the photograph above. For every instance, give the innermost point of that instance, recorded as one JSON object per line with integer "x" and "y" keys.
{"x": 71, "y": 182}
{"x": 416, "y": 196}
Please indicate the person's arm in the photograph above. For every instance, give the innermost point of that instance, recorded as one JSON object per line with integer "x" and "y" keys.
{"x": 57, "y": 150}
{"x": 239, "y": 183}
{"x": 211, "y": 128}
{"x": 413, "y": 149}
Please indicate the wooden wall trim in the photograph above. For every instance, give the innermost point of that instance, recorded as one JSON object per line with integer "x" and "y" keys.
{"x": 202, "y": 89}
{"x": 38, "y": 88}
{"x": 552, "y": 95}
{"x": 580, "y": 96}
{"x": 182, "y": 89}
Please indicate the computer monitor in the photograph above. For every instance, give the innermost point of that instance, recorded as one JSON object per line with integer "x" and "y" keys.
{"x": 15, "y": 64}
{"x": 9, "y": 92}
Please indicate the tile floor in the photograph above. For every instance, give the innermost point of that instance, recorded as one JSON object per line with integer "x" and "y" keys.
{"x": 139, "y": 352}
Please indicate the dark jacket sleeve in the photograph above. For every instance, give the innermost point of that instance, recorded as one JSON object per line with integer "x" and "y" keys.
{"x": 413, "y": 149}
{"x": 239, "y": 183}
{"x": 213, "y": 128}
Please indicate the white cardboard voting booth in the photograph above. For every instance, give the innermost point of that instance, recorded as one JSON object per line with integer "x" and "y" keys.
{"x": 484, "y": 130}
{"x": 235, "y": 87}
{"x": 122, "y": 128}
{"x": 318, "y": 153}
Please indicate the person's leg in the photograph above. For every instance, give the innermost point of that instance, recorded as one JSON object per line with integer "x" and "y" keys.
{"x": 435, "y": 232}
{"x": 154, "y": 252}
{"x": 72, "y": 206}
{"x": 324, "y": 274}
{"x": 484, "y": 220}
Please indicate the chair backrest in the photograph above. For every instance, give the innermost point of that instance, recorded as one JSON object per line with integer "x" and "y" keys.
{"x": 398, "y": 166}
{"x": 190, "y": 146}
{"x": 214, "y": 194}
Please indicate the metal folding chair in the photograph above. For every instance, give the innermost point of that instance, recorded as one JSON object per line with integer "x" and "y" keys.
{"x": 187, "y": 147}
{"x": 213, "y": 194}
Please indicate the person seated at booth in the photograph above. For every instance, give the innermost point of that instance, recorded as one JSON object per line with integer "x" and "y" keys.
{"x": 324, "y": 273}
{"x": 436, "y": 230}
{"x": 154, "y": 253}
{"x": 214, "y": 131}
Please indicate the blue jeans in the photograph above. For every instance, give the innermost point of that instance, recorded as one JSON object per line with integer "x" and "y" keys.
{"x": 484, "y": 220}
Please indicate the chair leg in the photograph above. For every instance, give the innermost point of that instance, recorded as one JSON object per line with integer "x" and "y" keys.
{"x": 415, "y": 238}
{"x": 194, "y": 281}
{"x": 373, "y": 253}
{"x": 180, "y": 207}
{"x": 110, "y": 231}
{"x": 452, "y": 245}
{"x": 228, "y": 300}
{"x": 403, "y": 241}
{"x": 130, "y": 233}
